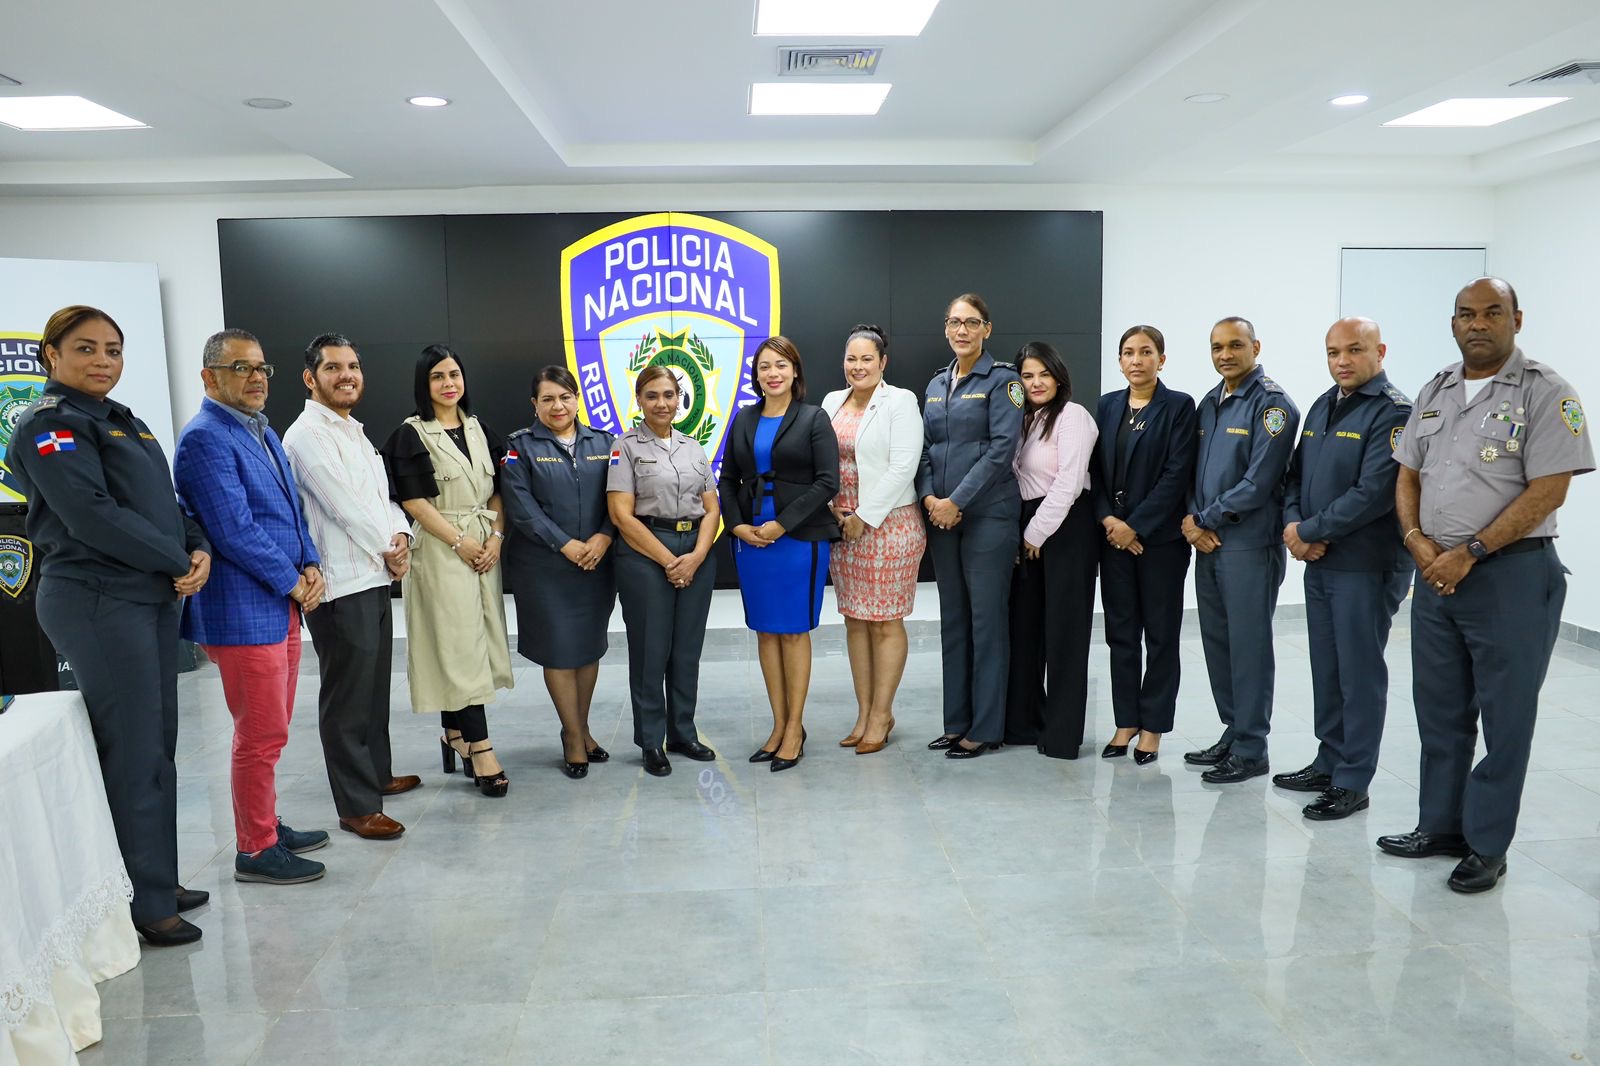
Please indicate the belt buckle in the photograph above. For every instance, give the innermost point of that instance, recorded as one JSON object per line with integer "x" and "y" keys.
{"x": 683, "y": 525}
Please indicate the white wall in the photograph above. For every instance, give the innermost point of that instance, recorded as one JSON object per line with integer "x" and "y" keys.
{"x": 1546, "y": 236}
{"x": 1178, "y": 258}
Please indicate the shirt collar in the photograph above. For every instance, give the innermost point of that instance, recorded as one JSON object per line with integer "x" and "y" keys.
{"x": 1510, "y": 371}
{"x": 984, "y": 364}
{"x": 1250, "y": 380}
{"x": 101, "y": 409}
{"x": 245, "y": 418}
{"x": 330, "y": 415}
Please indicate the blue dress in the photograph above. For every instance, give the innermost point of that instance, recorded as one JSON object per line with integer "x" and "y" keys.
{"x": 781, "y": 584}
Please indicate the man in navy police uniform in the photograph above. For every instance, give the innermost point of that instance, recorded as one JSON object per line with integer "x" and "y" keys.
{"x": 1486, "y": 458}
{"x": 1338, "y": 510}
{"x": 1248, "y": 426}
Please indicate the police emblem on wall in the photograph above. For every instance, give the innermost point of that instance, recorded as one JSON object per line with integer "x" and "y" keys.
{"x": 16, "y": 564}
{"x": 22, "y": 381}
{"x": 689, "y": 293}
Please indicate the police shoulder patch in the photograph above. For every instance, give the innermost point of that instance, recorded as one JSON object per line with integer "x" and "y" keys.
{"x": 1274, "y": 419}
{"x": 1014, "y": 393}
{"x": 1394, "y": 437}
{"x": 1572, "y": 415}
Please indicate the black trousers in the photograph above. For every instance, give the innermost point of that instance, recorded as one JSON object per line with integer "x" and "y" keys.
{"x": 469, "y": 721}
{"x": 972, "y": 565}
{"x": 1143, "y": 600}
{"x": 666, "y": 632}
{"x": 354, "y": 638}
{"x": 1482, "y": 653}
{"x": 124, "y": 656}
{"x": 1052, "y": 614}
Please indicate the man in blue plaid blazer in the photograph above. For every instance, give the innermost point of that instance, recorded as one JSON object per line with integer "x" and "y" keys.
{"x": 234, "y": 478}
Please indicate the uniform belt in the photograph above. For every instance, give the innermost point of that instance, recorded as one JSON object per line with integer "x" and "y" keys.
{"x": 1526, "y": 544}
{"x": 674, "y": 525}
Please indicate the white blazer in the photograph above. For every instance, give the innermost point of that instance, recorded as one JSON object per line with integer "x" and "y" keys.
{"x": 888, "y": 449}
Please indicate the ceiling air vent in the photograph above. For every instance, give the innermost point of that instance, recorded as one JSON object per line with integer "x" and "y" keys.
{"x": 811, "y": 61}
{"x": 1577, "y": 72}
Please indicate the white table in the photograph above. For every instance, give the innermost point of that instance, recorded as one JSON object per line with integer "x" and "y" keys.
{"x": 64, "y": 892}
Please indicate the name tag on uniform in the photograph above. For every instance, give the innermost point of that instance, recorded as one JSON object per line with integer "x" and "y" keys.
{"x": 974, "y": 395}
{"x": 118, "y": 433}
{"x": 545, "y": 459}
{"x": 936, "y": 399}
{"x": 1348, "y": 435}
{"x": 1429, "y": 414}
{"x": 147, "y": 436}
{"x": 1239, "y": 431}
{"x": 592, "y": 458}
{"x": 1308, "y": 433}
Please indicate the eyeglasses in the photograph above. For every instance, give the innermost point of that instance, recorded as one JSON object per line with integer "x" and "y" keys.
{"x": 972, "y": 325}
{"x": 243, "y": 369}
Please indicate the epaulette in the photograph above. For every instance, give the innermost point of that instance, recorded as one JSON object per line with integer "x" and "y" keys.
{"x": 48, "y": 402}
{"x": 1269, "y": 385}
{"x": 1396, "y": 397}
{"x": 1004, "y": 364}
{"x": 519, "y": 432}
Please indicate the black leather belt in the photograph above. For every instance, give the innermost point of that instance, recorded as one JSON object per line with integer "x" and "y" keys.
{"x": 673, "y": 525}
{"x": 1516, "y": 547}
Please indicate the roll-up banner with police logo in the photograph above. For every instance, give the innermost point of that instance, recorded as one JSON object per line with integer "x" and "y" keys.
{"x": 31, "y": 290}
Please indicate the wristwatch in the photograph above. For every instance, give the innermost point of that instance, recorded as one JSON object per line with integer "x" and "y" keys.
{"x": 1475, "y": 546}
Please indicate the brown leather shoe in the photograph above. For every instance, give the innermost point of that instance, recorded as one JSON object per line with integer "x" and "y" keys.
{"x": 373, "y": 826}
{"x": 398, "y": 785}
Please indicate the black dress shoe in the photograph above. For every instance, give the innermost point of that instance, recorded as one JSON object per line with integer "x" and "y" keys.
{"x": 959, "y": 751}
{"x": 182, "y": 933}
{"x": 1308, "y": 780}
{"x": 1419, "y": 845}
{"x": 1208, "y": 756}
{"x": 1334, "y": 804}
{"x": 1144, "y": 758}
{"x": 655, "y": 762}
{"x": 575, "y": 770}
{"x": 1478, "y": 873}
{"x": 599, "y": 754}
{"x": 1233, "y": 769}
{"x": 762, "y": 755}
{"x": 693, "y": 750}
{"x": 1113, "y": 751}
{"x": 190, "y": 898}
{"x": 940, "y": 743}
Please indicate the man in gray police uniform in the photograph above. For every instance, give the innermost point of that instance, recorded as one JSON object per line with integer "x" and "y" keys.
{"x": 1486, "y": 459}
{"x": 1247, "y": 433}
{"x": 1338, "y": 510}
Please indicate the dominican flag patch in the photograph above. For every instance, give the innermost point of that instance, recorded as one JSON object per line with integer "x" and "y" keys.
{"x": 55, "y": 441}
{"x": 509, "y": 458}
{"x": 616, "y": 457}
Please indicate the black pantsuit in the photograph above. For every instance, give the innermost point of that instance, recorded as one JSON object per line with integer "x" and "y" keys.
{"x": 1052, "y": 613}
{"x": 666, "y": 632}
{"x": 126, "y": 666}
{"x": 972, "y": 565}
{"x": 354, "y": 638}
{"x": 1143, "y": 600}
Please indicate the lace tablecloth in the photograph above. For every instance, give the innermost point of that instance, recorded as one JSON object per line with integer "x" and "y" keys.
{"x": 64, "y": 892}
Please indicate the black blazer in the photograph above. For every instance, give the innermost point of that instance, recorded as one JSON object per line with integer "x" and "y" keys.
{"x": 803, "y": 478}
{"x": 1160, "y": 464}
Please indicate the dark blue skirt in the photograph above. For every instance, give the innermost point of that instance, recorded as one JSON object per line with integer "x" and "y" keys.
{"x": 782, "y": 584}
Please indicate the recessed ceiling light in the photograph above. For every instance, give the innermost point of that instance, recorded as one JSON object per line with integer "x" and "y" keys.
{"x": 781, "y": 98}
{"x": 1470, "y": 111}
{"x": 1349, "y": 100}
{"x": 267, "y": 103}
{"x": 1205, "y": 98}
{"x": 427, "y": 101}
{"x": 50, "y": 113}
{"x": 823, "y": 18}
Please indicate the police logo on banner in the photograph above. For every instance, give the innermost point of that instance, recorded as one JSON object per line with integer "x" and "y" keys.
{"x": 16, "y": 563}
{"x": 22, "y": 380}
{"x": 689, "y": 293}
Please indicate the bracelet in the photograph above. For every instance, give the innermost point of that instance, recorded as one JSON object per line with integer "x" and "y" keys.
{"x": 497, "y": 533}
{"x": 1406, "y": 540}
{"x": 459, "y": 538}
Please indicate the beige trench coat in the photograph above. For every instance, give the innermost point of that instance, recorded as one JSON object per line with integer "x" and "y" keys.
{"x": 456, "y": 648}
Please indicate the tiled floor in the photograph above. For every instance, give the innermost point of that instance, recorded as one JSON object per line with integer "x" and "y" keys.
{"x": 894, "y": 908}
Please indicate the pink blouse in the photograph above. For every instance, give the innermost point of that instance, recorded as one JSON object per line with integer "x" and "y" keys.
{"x": 1055, "y": 469}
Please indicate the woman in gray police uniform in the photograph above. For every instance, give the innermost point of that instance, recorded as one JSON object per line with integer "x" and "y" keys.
{"x": 118, "y": 552}
{"x": 663, "y": 499}
{"x": 553, "y": 487}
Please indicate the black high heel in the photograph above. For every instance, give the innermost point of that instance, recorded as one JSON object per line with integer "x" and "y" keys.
{"x": 575, "y": 770}
{"x": 778, "y": 764}
{"x": 598, "y": 754}
{"x": 447, "y": 756}
{"x": 1144, "y": 758}
{"x": 493, "y": 786}
{"x": 1113, "y": 751}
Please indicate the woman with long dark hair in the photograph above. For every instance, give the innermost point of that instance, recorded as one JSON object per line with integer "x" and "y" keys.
{"x": 1143, "y": 473}
{"x": 444, "y": 468}
{"x": 559, "y": 561}
{"x": 779, "y": 471}
{"x": 972, "y": 422}
{"x": 1052, "y": 586}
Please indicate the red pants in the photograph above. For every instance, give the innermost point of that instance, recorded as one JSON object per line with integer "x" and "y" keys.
{"x": 258, "y": 682}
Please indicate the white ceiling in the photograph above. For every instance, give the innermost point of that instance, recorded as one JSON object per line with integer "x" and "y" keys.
{"x": 631, "y": 91}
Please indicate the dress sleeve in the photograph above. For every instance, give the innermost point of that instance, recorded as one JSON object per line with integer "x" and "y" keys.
{"x": 410, "y": 468}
